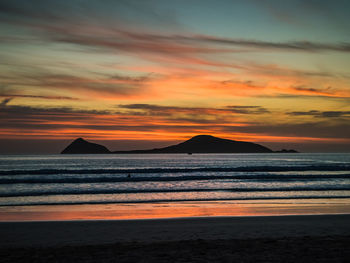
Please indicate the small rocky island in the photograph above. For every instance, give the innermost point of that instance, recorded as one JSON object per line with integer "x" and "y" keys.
{"x": 197, "y": 144}
{"x": 80, "y": 146}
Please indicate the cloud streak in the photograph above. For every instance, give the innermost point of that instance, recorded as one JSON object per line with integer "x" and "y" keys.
{"x": 67, "y": 122}
{"x": 37, "y": 97}
{"x": 108, "y": 86}
{"x": 52, "y": 23}
{"x": 305, "y": 46}
{"x": 153, "y": 109}
{"x": 323, "y": 114}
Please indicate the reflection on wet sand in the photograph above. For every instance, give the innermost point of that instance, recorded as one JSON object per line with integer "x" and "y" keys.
{"x": 174, "y": 210}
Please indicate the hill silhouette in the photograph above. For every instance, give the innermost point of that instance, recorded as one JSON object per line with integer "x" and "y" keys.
{"x": 208, "y": 144}
{"x": 80, "y": 146}
{"x": 197, "y": 144}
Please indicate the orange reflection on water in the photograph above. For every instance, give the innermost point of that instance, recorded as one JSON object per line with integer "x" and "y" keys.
{"x": 173, "y": 210}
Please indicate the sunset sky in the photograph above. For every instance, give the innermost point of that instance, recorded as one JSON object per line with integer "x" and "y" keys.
{"x": 141, "y": 74}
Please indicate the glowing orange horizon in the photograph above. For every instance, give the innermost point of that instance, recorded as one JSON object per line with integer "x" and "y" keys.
{"x": 159, "y": 136}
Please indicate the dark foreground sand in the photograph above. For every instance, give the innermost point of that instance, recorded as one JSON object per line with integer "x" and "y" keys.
{"x": 324, "y": 238}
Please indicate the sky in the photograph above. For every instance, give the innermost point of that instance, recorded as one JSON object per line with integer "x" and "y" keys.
{"x": 139, "y": 74}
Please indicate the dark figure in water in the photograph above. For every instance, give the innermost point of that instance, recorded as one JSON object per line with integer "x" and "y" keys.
{"x": 129, "y": 175}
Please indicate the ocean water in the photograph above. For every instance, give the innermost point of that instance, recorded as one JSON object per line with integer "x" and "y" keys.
{"x": 132, "y": 178}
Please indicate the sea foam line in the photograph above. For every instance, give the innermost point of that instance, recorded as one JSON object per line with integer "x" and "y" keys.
{"x": 31, "y": 203}
{"x": 140, "y": 191}
{"x": 164, "y": 178}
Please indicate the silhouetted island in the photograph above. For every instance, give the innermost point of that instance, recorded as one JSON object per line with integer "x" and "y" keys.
{"x": 197, "y": 144}
{"x": 80, "y": 146}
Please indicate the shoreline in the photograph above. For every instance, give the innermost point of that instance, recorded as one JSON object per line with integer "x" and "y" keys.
{"x": 184, "y": 209}
{"x": 170, "y": 218}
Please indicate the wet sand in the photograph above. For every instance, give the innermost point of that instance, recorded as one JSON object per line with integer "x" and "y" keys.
{"x": 175, "y": 209}
{"x": 214, "y": 239}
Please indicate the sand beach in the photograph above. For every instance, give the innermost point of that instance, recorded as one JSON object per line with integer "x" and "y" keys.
{"x": 298, "y": 238}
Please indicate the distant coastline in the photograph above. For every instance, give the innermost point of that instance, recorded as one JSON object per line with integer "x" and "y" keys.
{"x": 197, "y": 144}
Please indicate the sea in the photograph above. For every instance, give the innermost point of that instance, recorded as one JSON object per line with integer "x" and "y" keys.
{"x": 27, "y": 180}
